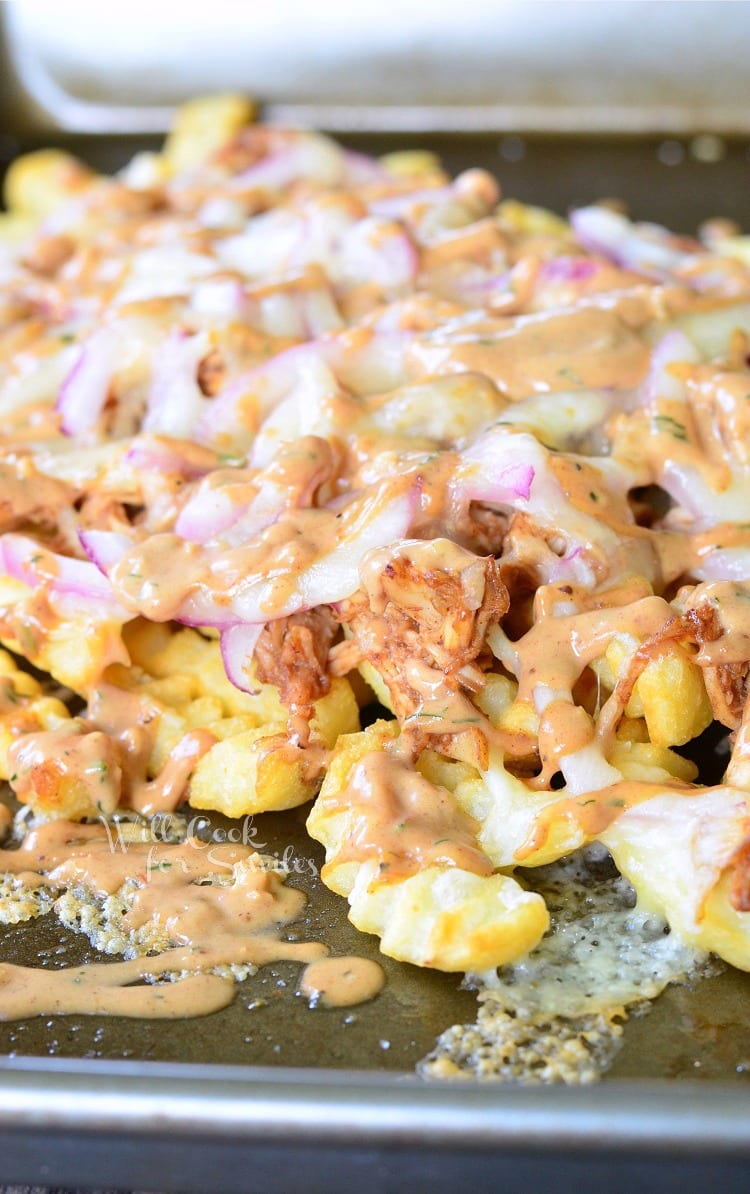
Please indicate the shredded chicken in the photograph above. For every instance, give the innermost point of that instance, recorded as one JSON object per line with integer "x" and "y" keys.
{"x": 29, "y": 499}
{"x": 292, "y": 653}
{"x": 421, "y": 622}
{"x": 726, "y": 683}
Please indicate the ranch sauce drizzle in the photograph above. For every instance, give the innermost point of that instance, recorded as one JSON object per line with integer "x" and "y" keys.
{"x": 339, "y": 982}
{"x": 405, "y": 822}
{"x": 236, "y": 921}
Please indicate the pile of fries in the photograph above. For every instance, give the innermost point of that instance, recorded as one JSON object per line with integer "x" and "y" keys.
{"x": 287, "y": 431}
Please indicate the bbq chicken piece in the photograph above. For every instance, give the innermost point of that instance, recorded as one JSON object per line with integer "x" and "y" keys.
{"x": 429, "y": 604}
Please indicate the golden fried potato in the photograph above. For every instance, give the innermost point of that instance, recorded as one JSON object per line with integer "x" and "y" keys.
{"x": 498, "y": 701}
{"x": 203, "y": 125}
{"x": 254, "y": 770}
{"x": 669, "y": 693}
{"x": 519, "y": 826}
{"x": 75, "y": 651}
{"x": 527, "y": 220}
{"x": 249, "y": 770}
{"x": 37, "y": 183}
{"x": 412, "y": 163}
{"x": 165, "y": 653}
{"x": 441, "y": 916}
{"x": 15, "y": 228}
{"x": 676, "y": 850}
{"x": 24, "y": 708}
{"x": 649, "y": 763}
{"x": 449, "y": 919}
{"x": 70, "y": 772}
{"x": 737, "y": 247}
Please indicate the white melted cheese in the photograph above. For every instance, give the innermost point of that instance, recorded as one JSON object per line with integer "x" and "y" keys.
{"x": 557, "y": 1015}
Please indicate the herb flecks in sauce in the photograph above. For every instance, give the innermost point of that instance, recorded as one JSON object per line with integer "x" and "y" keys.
{"x": 204, "y": 906}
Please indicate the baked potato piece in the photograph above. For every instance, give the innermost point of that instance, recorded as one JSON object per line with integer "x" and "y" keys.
{"x": 74, "y": 651}
{"x": 686, "y": 856}
{"x": 203, "y": 125}
{"x": 257, "y": 770}
{"x": 24, "y": 708}
{"x": 439, "y": 915}
{"x": 252, "y": 768}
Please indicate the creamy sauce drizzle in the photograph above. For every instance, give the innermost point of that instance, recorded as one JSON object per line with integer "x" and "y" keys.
{"x": 405, "y": 822}
{"x": 214, "y": 905}
{"x": 341, "y": 982}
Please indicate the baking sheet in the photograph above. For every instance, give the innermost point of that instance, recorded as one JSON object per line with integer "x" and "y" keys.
{"x": 72, "y": 1110}
{"x": 561, "y": 65}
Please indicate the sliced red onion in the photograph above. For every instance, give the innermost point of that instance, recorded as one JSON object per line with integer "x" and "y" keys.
{"x": 214, "y": 512}
{"x": 83, "y": 393}
{"x": 279, "y": 314}
{"x": 238, "y": 645}
{"x": 175, "y": 402}
{"x": 306, "y": 156}
{"x": 707, "y": 506}
{"x": 304, "y": 313}
{"x": 569, "y": 269}
{"x": 307, "y": 375}
{"x": 170, "y": 456}
{"x": 271, "y": 174}
{"x": 395, "y": 207}
{"x": 233, "y": 412}
{"x": 206, "y": 514}
{"x": 371, "y": 362}
{"x": 27, "y": 561}
{"x": 105, "y": 548}
{"x": 373, "y": 519}
{"x": 500, "y": 467}
{"x": 382, "y": 518}
{"x": 362, "y": 169}
{"x": 265, "y": 508}
{"x": 561, "y": 570}
{"x": 267, "y": 245}
{"x": 222, "y": 213}
{"x": 219, "y": 298}
{"x": 477, "y": 285}
{"x": 307, "y": 410}
{"x": 496, "y": 478}
{"x": 352, "y": 252}
{"x": 164, "y": 271}
{"x": 674, "y": 348}
{"x": 379, "y": 252}
{"x": 645, "y": 248}
{"x": 725, "y": 563}
{"x": 495, "y": 469}
{"x": 318, "y": 312}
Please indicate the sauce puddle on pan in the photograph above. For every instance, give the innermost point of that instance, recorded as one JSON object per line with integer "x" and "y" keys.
{"x": 189, "y": 916}
{"x": 133, "y": 889}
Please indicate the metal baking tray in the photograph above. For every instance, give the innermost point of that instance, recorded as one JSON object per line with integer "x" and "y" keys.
{"x": 278, "y": 1096}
